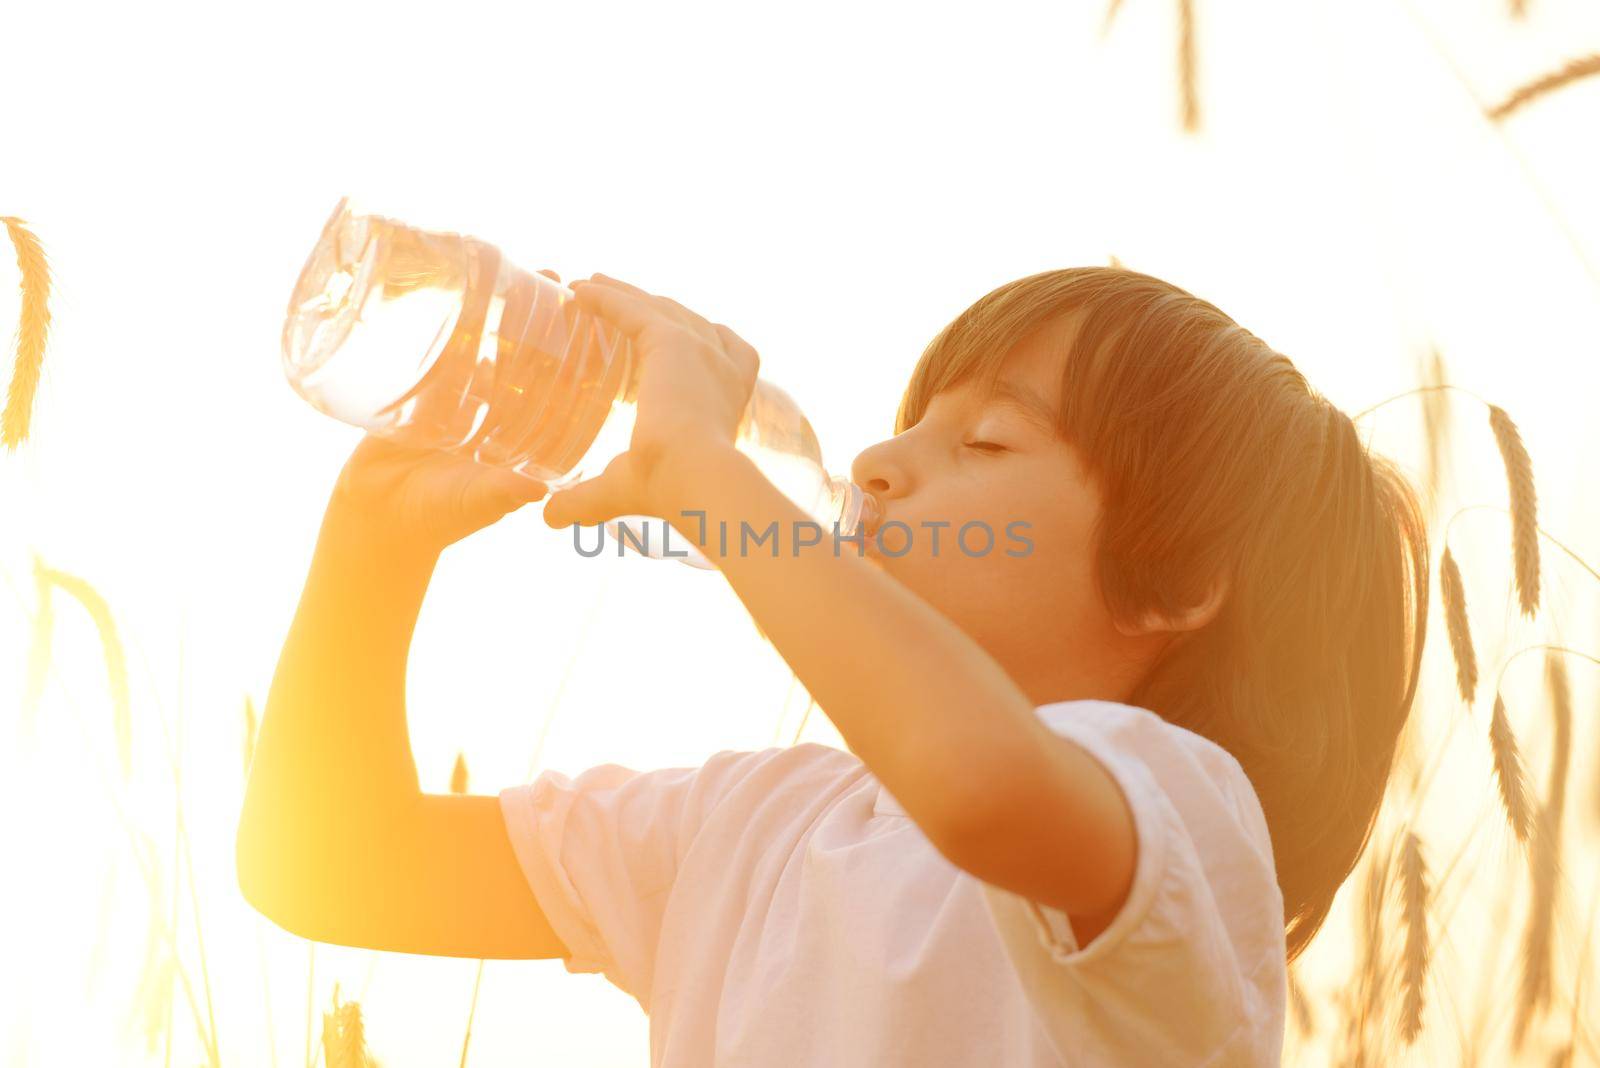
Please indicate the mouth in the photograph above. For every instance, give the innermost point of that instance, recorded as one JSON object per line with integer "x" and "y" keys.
{"x": 871, "y": 520}
{"x": 871, "y": 515}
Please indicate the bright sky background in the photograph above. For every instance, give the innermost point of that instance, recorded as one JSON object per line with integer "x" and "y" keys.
{"x": 833, "y": 180}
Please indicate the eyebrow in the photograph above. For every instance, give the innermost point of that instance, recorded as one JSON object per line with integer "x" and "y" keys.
{"x": 1027, "y": 402}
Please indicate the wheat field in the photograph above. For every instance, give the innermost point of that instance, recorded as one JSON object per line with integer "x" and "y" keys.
{"x": 1466, "y": 934}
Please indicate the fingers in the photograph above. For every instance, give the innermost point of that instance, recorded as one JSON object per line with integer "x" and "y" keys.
{"x": 672, "y": 307}
{"x": 648, "y": 303}
{"x": 740, "y": 351}
{"x": 548, "y": 273}
{"x": 629, "y": 310}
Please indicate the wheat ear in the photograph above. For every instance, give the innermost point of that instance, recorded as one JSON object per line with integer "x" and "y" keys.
{"x": 33, "y": 330}
{"x": 1452, "y": 591}
{"x": 1566, "y": 74}
{"x": 1509, "y": 772}
{"x": 1524, "y": 507}
{"x": 1533, "y": 991}
{"x": 1414, "y": 912}
{"x": 344, "y": 1038}
{"x": 1519, "y": 475}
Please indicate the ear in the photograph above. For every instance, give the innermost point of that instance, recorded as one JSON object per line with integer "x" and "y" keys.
{"x": 1189, "y": 619}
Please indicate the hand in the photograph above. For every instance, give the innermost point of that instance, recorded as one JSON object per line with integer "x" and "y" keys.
{"x": 426, "y": 499}
{"x": 695, "y": 379}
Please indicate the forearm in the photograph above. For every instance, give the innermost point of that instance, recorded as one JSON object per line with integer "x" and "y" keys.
{"x": 927, "y": 709}
{"x": 333, "y": 749}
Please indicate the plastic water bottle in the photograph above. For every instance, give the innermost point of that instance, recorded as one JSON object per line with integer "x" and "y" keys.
{"x": 435, "y": 339}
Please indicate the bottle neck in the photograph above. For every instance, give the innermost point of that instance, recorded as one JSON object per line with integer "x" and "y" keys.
{"x": 852, "y": 507}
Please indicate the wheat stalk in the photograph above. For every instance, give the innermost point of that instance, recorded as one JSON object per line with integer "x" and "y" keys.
{"x": 1186, "y": 66}
{"x": 1414, "y": 913}
{"x": 458, "y": 785}
{"x": 811, "y": 702}
{"x": 311, "y": 985}
{"x": 1110, "y": 17}
{"x": 1509, "y": 772}
{"x": 1575, "y": 1026}
{"x": 1566, "y": 74}
{"x": 1560, "y": 690}
{"x": 1524, "y": 507}
{"x": 1533, "y": 991}
{"x": 1537, "y": 945}
{"x": 33, "y": 330}
{"x": 1305, "y": 1020}
{"x": 111, "y": 652}
{"x": 153, "y": 994}
{"x": 472, "y": 1011}
{"x": 1435, "y": 422}
{"x": 38, "y": 647}
{"x": 145, "y": 854}
{"x": 1367, "y": 1002}
{"x": 1452, "y": 591}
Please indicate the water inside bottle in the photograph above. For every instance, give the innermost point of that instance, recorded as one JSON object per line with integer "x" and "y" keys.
{"x": 443, "y": 344}
{"x": 434, "y": 339}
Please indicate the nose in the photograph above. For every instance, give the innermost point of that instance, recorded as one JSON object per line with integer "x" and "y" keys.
{"x": 879, "y": 470}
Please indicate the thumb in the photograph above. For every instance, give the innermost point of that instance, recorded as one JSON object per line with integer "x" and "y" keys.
{"x": 594, "y": 500}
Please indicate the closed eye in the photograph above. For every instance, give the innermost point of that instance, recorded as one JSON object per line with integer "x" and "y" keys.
{"x": 986, "y": 446}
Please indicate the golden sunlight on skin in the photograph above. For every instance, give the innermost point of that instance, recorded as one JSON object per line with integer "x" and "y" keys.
{"x": 1018, "y": 579}
{"x": 1353, "y": 212}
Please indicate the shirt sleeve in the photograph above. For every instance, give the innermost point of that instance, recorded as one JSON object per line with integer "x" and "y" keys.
{"x": 1191, "y": 970}
{"x": 601, "y": 852}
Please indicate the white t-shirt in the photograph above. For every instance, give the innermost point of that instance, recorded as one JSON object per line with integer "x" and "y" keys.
{"x": 779, "y": 908}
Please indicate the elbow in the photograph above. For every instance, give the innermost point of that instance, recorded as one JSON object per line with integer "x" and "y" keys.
{"x": 271, "y": 863}
{"x": 283, "y": 890}
{"x": 259, "y": 874}
{"x": 316, "y": 878}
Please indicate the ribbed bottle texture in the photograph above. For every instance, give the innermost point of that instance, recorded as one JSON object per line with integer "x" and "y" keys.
{"x": 435, "y": 339}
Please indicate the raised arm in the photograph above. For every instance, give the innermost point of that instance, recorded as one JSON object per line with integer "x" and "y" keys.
{"x": 935, "y": 717}
{"x": 336, "y": 840}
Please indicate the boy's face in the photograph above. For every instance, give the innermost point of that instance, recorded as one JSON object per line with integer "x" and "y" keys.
{"x": 988, "y": 462}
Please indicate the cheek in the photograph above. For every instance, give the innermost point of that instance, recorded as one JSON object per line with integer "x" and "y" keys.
{"x": 1059, "y": 566}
